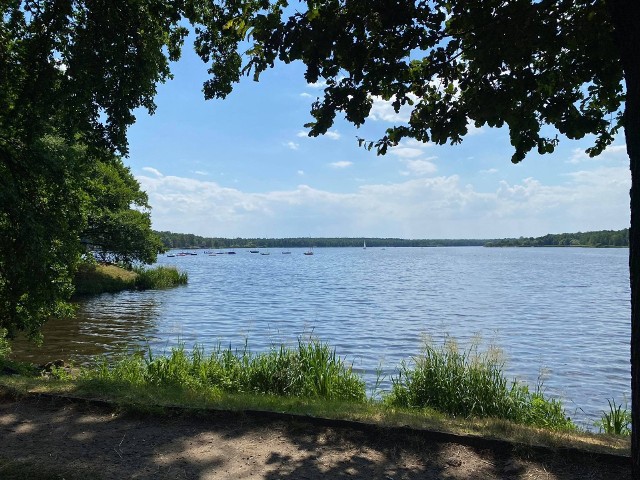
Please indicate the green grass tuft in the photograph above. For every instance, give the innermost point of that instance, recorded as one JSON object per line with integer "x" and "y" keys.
{"x": 617, "y": 421}
{"x": 93, "y": 279}
{"x": 159, "y": 278}
{"x": 471, "y": 383}
{"x": 312, "y": 370}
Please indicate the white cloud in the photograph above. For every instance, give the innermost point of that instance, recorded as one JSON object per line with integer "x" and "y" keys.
{"x": 420, "y": 167}
{"x": 333, "y": 135}
{"x": 490, "y": 171}
{"x": 342, "y": 164}
{"x": 153, "y": 171}
{"x": 306, "y": 95}
{"x": 301, "y": 173}
{"x": 292, "y": 145}
{"x": 383, "y": 110}
{"x": 612, "y": 153}
{"x": 320, "y": 84}
{"x": 201, "y": 173}
{"x": 406, "y": 152}
{"x": 421, "y": 207}
{"x": 473, "y": 130}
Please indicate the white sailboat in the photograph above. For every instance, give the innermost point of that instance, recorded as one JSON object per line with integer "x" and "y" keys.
{"x": 364, "y": 247}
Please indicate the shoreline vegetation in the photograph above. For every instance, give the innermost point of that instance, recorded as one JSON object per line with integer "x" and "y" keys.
{"x": 444, "y": 389}
{"x": 596, "y": 239}
{"x": 94, "y": 278}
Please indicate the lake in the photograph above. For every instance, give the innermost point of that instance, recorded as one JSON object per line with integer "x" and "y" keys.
{"x": 559, "y": 313}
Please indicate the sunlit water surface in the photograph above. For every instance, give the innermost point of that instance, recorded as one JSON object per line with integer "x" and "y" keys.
{"x": 562, "y": 313}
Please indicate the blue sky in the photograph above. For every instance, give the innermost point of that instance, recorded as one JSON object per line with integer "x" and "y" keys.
{"x": 244, "y": 167}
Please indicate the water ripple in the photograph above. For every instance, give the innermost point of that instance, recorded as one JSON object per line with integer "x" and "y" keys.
{"x": 559, "y": 314}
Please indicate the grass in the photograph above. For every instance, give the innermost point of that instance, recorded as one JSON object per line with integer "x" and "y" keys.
{"x": 312, "y": 370}
{"x": 159, "y": 278}
{"x": 617, "y": 421}
{"x": 93, "y": 279}
{"x": 472, "y": 383}
{"x": 310, "y": 379}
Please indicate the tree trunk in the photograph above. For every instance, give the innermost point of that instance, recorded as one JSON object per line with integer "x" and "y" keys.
{"x": 625, "y": 15}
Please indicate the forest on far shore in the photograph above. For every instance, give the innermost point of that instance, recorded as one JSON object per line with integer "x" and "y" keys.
{"x": 602, "y": 238}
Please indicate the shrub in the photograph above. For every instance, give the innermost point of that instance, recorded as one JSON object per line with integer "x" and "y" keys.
{"x": 5, "y": 346}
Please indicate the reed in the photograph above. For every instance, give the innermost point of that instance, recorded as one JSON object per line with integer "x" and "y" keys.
{"x": 471, "y": 383}
{"x": 93, "y": 279}
{"x": 159, "y": 278}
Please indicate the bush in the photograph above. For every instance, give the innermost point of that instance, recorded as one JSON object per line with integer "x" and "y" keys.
{"x": 5, "y": 346}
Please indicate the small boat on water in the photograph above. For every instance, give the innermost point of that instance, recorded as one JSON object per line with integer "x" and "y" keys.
{"x": 170, "y": 255}
{"x": 286, "y": 253}
{"x": 231, "y": 253}
{"x": 254, "y": 251}
{"x": 309, "y": 252}
{"x": 265, "y": 253}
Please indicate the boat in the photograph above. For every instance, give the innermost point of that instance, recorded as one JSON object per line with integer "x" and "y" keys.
{"x": 286, "y": 253}
{"x": 170, "y": 255}
{"x": 265, "y": 253}
{"x": 309, "y": 252}
{"x": 364, "y": 247}
{"x": 254, "y": 251}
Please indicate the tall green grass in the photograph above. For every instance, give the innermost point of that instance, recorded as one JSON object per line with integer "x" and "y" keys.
{"x": 312, "y": 370}
{"x": 93, "y": 279}
{"x": 471, "y": 383}
{"x": 467, "y": 383}
{"x": 617, "y": 421}
{"x": 159, "y": 278}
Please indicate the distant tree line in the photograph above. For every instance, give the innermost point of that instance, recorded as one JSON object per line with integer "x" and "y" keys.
{"x": 602, "y": 238}
{"x": 188, "y": 240}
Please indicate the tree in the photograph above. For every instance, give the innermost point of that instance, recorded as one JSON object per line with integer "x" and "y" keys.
{"x": 536, "y": 67}
{"x": 72, "y": 72}
{"x": 118, "y": 219}
{"x": 40, "y": 217}
{"x": 529, "y": 65}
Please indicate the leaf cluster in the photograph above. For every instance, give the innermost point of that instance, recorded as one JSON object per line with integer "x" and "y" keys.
{"x": 524, "y": 65}
{"x": 72, "y": 74}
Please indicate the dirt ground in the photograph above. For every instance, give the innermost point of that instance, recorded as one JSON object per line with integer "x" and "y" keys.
{"x": 88, "y": 440}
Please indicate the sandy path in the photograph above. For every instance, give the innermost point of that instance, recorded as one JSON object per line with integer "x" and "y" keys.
{"x": 92, "y": 441}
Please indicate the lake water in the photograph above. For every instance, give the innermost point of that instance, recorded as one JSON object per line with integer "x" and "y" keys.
{"x": 560, "y": 312}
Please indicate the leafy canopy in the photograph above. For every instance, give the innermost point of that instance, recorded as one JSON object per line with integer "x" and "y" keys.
{"x": 118, "y": 222}
{"x": 72, "y": 73}
{"x": 519, "y": 64}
